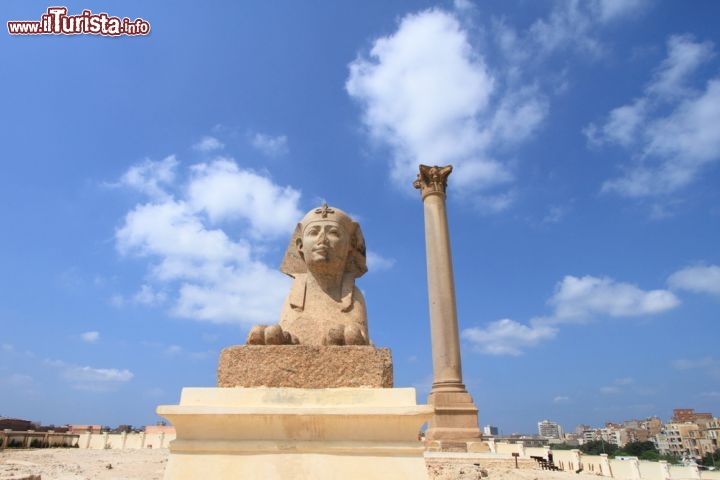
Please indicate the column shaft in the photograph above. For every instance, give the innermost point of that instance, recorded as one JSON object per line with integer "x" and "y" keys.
{"x": 441, "y": 293}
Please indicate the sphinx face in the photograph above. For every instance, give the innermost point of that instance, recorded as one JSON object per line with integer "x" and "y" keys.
{"x": 324, "y": 246}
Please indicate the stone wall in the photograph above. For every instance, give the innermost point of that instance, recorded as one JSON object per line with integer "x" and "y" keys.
{"x": 120, "y": 441}
{"x": 30, "y": 438}
{"x": 630, "y": 469}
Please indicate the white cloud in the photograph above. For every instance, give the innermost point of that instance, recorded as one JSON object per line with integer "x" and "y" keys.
{"x": 698, "y": 363}
{"x": 495, "y": 203}
{"x": 507, "y": 337}
{"x": 208, "y": 144}
{"x": 555, "y": 214}
{"x": 463, "y": 5}
{"x": 226, "y": 192}
{"x": 574, "y": 24}
{"x": 709, "y": 366}
{"x": 698, "y": 279}
{"x": 669, "y": 150}
{"x": 617, "y": 386}
{"x": 575, "y": 300}
{"x": 91, "y": 378}
{"x": 173, "y": 231}
{"x": 249, "y": 293}
{"x": 204, "y": 273}
{"x": 579, "y": 298}
{"x": 172, "y": 350}
{"x": 147, "y": 295}
{"x": 90, "y": 337}
{"x": 622, "y": 126}
{"x": 561, "y": 399}
{"x": 378, "y": 263}
{"x": 272, "y": 146}
{"x": 429, "y": 96}
{"x": 569, "y": 26}
{"x": 150, "y": 177}
{"x": 97, "y": 379}
{"x": 518, "y": 114}
{"x": 615, "y": 9}
{"x": 684, "y": 57}
{"x": 86, "y": 374}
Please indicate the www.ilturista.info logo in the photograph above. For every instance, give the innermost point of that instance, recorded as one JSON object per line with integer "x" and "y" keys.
{"x": 57, "y": 22}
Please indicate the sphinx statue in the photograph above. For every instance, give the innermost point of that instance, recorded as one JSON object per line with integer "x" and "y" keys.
{"x": 324, "y": 307}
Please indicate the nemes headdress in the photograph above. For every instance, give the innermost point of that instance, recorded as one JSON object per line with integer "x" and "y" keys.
{"x": 356, "y": 263}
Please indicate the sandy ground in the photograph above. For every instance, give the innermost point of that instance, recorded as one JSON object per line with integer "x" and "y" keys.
{"x": 149, "y": 464}
{"x": 494, "y": 469}
{"x": 76, "y": 464}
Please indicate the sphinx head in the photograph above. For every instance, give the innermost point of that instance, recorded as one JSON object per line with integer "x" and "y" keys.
{"x": 326, "y": 240}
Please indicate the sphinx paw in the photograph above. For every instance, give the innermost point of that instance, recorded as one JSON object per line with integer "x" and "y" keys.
{"x": 354, "y": 335}
{"x": 256, "y": 335}
{"x": 270, "y": 335}
{"x": 345, "y": 335}
{"x": 335, "y": 336}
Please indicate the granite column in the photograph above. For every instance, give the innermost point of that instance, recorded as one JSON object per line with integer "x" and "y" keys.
{"x": 455, "y": 416}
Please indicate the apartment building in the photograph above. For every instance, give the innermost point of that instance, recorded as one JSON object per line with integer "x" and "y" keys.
{"x": 548, "y": 429}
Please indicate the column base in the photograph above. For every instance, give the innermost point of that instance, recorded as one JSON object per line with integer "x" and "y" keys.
{"x": 455, "y": 419}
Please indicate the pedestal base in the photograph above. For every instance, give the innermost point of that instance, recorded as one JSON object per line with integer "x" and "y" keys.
{"x": 305, "y": 366}
{"x": 274, "y": 433}
{"x": 455, "y": 419}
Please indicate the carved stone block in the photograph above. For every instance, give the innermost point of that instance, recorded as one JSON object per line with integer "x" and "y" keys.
{"x": 305, "y": 366}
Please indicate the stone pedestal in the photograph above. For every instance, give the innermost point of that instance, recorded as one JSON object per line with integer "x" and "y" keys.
{"x": 305, "y": 366}
{"x": 280, "y": 433}
{"x": 455, "y": 417}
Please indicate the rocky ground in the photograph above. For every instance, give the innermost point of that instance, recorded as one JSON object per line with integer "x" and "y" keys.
{"x": 149, "y": 464}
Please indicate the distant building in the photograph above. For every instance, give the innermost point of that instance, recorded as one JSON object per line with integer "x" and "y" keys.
{"x": 615, "y": 434}
{"x": 683, "y": 415}
{"x": 653, "y": 425}
{"x": 16, "y": 424}
{"x": 84, "y": 428}
{"x": 490, "y": 431}
{"x": 521, "y": 439}
{"x": 166, "y": 429}
{"x": 548, "y": 429}
{"x": 590, "y": 435}
{"x": 570, "y": 439}
{"x": 674, "y": 439}
{"x": 580, "y": 429}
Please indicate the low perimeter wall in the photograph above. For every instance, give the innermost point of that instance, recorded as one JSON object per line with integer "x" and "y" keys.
{"x": 630, "y": 469}
{"x": 32, "y": 439}
{"x": 94, "y": 441}
{"x": 100, "y": 441}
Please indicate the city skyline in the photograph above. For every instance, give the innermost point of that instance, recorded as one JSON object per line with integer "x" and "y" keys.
{"x": 149, "y": 185}
{"x": 483, "y": 426}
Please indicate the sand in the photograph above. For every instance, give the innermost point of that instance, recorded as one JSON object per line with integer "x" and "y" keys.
{"x": 149, "y": 464}
{"x": 75, "y": 464}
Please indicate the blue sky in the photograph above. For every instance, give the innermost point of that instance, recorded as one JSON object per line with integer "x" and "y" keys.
{"x": 149, "y": 186}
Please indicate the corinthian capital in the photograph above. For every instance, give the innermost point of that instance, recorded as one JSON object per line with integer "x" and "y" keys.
{"x": 432, "y": 180}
